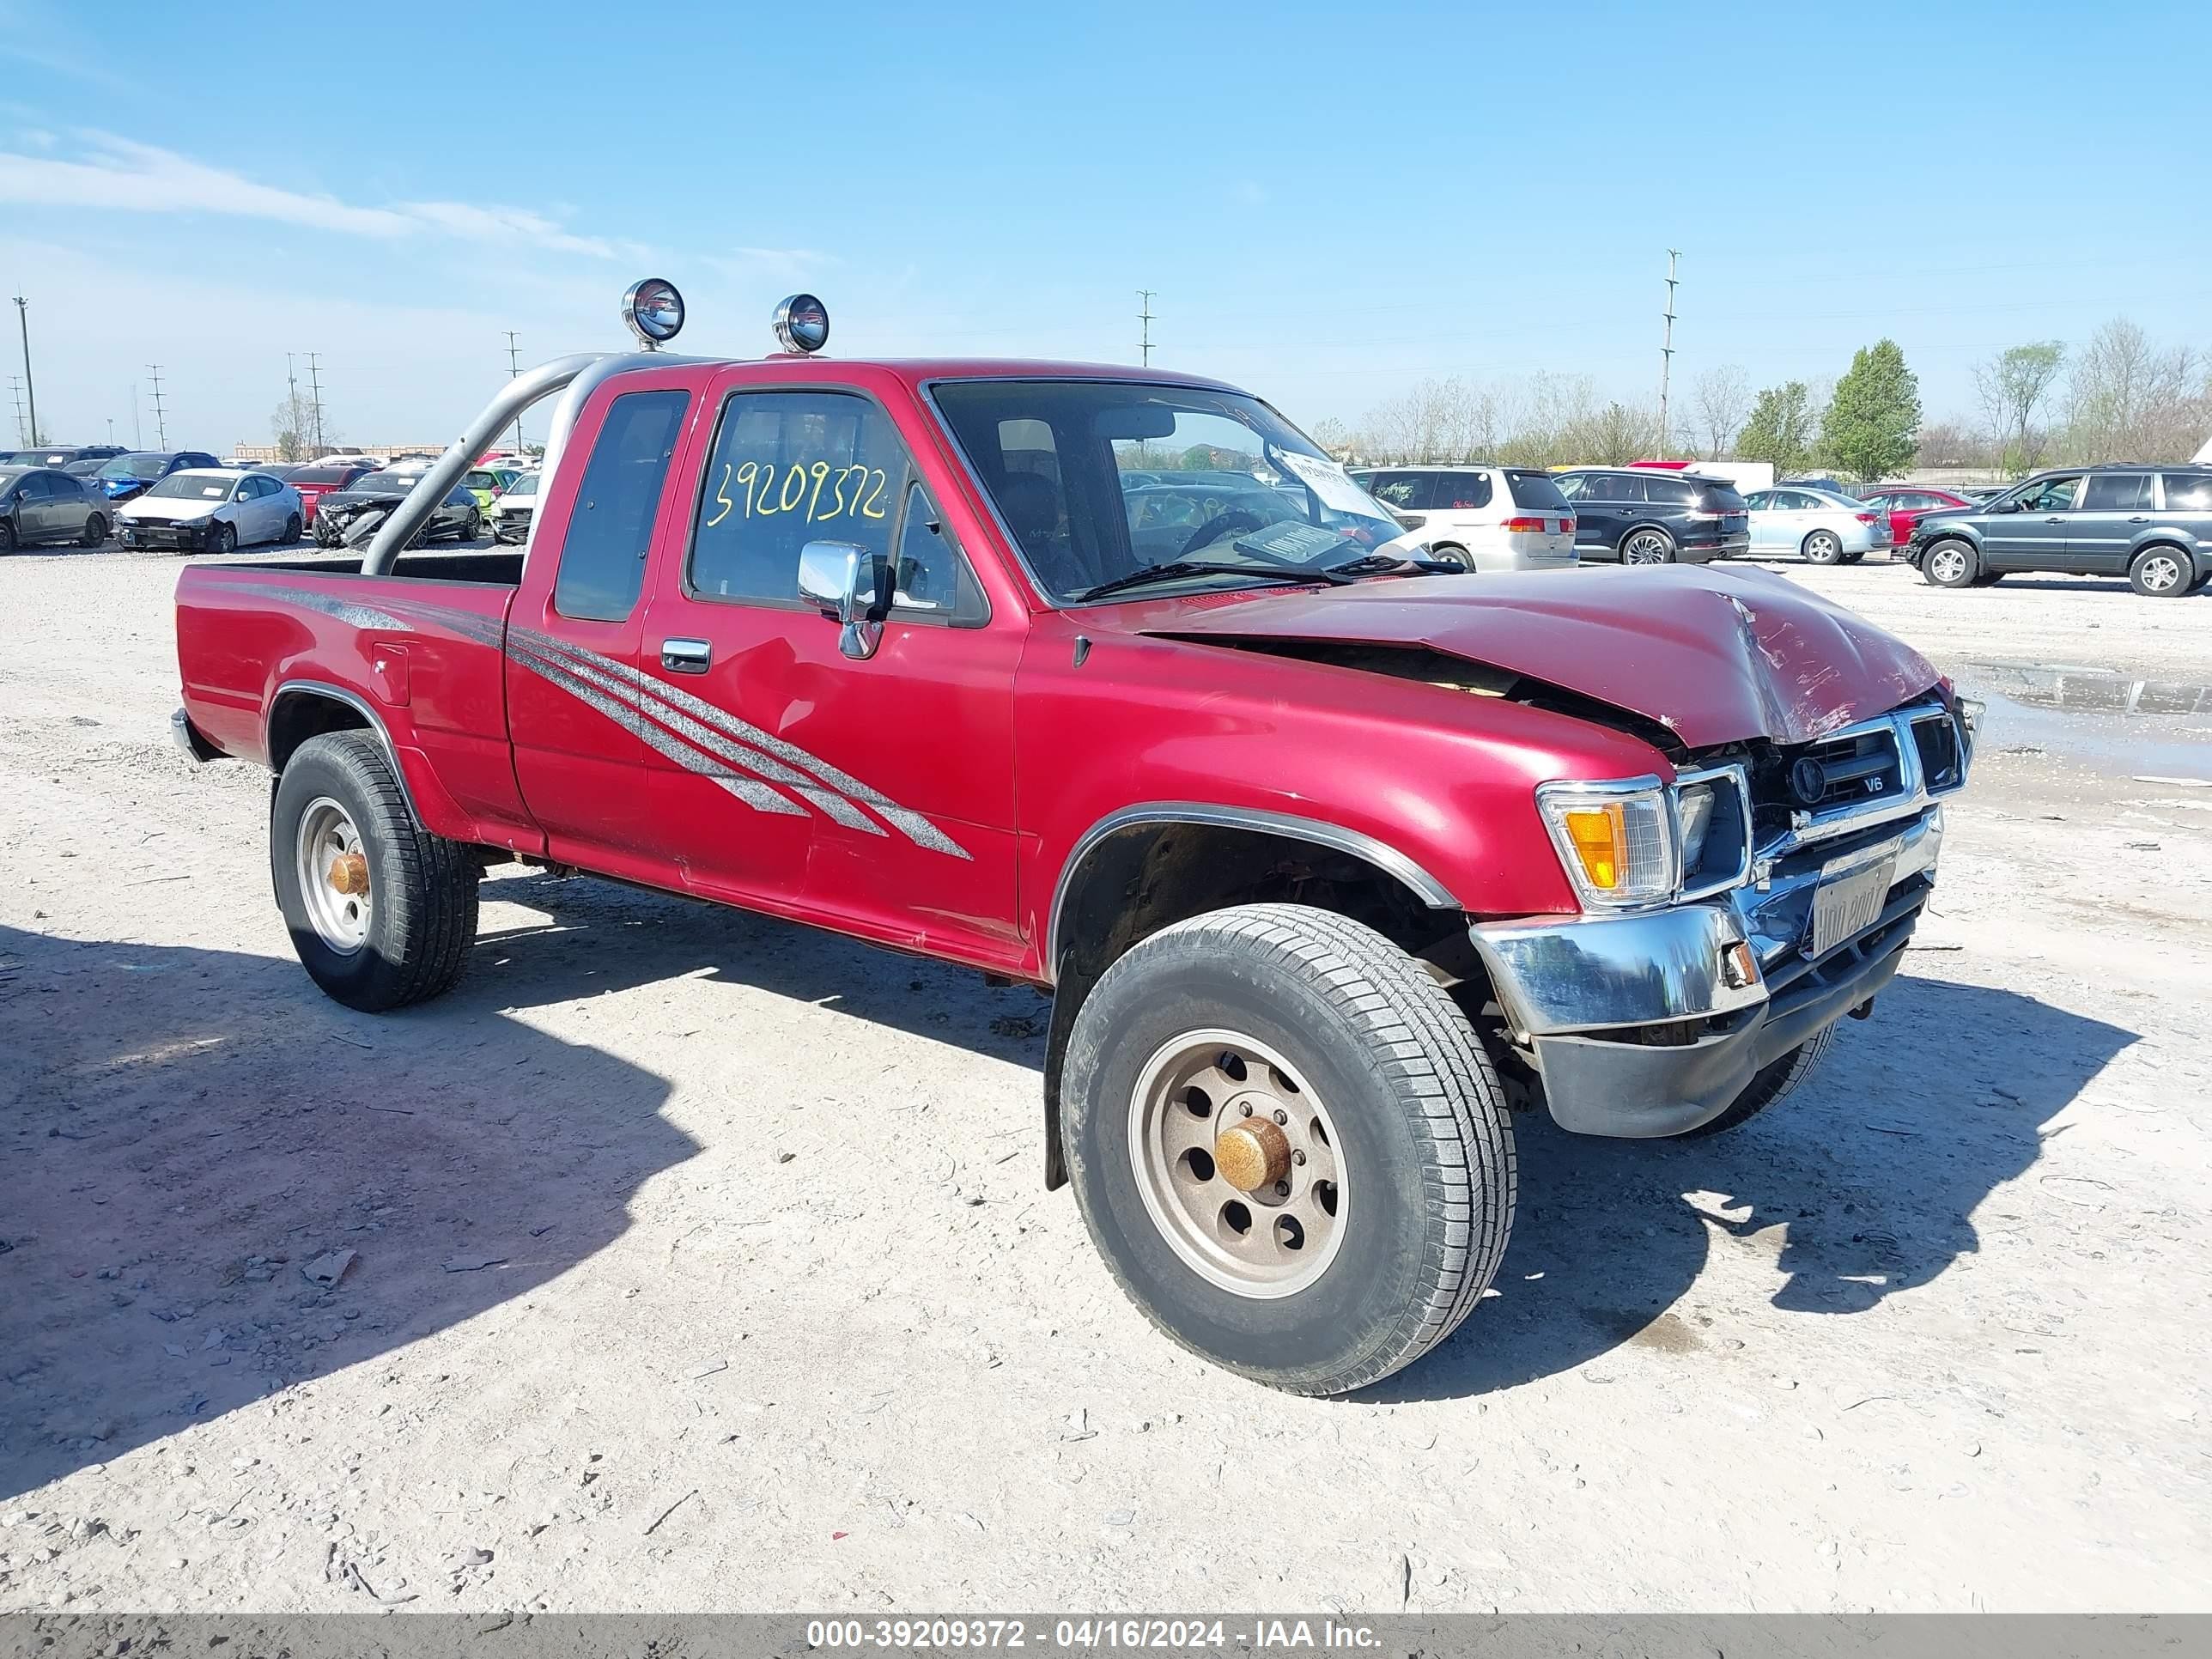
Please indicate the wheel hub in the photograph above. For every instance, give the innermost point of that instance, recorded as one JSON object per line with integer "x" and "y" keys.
{"x": 1253, "y": 1153}
{"x": 349, "y": 873}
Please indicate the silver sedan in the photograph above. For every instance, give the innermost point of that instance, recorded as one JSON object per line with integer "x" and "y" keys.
{"x": 1819, "y": 525}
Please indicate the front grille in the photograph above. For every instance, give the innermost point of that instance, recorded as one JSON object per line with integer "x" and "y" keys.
{"x": 1935, "y": 739}
{"x": 1861, "y": 767}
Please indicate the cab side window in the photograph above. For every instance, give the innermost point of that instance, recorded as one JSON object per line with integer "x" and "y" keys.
{"x": 610, "y": 530}
{"x": 2051, "y": 495}
{"x": 2118, "y": 492}
{"x": 793, "y": 467}
{"x": 1464, "y": 491}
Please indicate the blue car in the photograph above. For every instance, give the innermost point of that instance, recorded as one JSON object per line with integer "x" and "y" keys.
{"x": 129, "y": 476}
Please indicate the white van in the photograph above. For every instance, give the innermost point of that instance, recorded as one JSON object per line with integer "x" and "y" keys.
{"x": 1486, "y": 518}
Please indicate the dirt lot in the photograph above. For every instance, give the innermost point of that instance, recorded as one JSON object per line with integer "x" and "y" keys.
{"x": 699, "y": 1263}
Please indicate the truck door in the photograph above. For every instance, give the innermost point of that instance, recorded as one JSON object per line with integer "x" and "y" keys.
{"x": 2034, "y": 536}
{"x": 874, "y": 793}
{"x": 2116, "y": 508}
{"x": 579, "y": 738}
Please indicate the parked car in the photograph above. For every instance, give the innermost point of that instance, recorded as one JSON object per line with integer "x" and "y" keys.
{"x": 855, "y": 656}
{"x": 349, "y": 517}
{"x": 1818, "y": 525}
{"x": 63, "y": 455}
{"x": 43, "y": 504}
{"x": 1654, "y": 517}
{"x": 128, "y": 477}
{"x": 1482, "y": 517}
{"x": 2150, "y": 524}
{"x": 1907, "y": 504}
{"x": 1821, "y": 481}
{"x": 489, "y": 483}
{"x": 315, "y": 481}
{"x": 510, "y": 514}
{"x": 211, "y": 510}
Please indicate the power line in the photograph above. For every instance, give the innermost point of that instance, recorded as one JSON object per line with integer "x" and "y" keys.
{"x": 160, "y": 421}
{"x": 1145, "y": 324}
{"x": 1667, "y": 351}
{"x": 16, "y": 391}
{"x": 513, "y": 368}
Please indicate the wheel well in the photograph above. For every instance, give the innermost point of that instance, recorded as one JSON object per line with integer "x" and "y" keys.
{"x": 299, "y": 716}
{"x": 1638, "y": 529}
{"x": 1148, "y": 876}
{"x": 2166, "y": 542}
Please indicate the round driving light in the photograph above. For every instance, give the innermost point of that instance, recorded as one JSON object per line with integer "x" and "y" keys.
{"x": 653, "y": 310}
{"x": 802, "y": 323}
{"x": 1808, "y": 781}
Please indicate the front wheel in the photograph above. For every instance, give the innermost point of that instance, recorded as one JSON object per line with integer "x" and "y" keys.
{"x": 1771, "y": 1084}
{"x": 1647, "y": 547}
{"x": 223, "y": 538}
{"x": 2161, "y": 572}
{"x": 1289, "y": 1146}
{"x": 7, "y": 536}
{"x": 1950, "y": 564}
{"x": 380, "y": 911}
{"x": 474, "y": 528}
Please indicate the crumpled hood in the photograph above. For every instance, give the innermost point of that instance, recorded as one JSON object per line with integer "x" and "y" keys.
{"x": 1717, "y": 654}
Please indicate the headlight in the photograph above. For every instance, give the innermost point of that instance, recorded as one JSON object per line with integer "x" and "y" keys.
{"x": 1616, "y": 840}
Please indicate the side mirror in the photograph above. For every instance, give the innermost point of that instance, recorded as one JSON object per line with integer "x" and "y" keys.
{"x": 853, "y": 588}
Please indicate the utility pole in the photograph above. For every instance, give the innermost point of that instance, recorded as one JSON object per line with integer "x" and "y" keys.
{"x": 1145, "y": 323}
{"x": 513, "y": 368}
{"x": 315, "y": 381}
{"x": 1667, "y": 351}
{"x": 161, "y": 420}
{"x": 30, "y": 386}
{"x": 16, "y": 391}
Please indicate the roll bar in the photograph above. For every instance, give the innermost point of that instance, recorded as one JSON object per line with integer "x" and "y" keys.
{"x": 517, "y": 395}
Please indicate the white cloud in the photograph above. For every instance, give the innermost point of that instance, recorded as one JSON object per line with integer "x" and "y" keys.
{"x": 779, "y": 262}
{"x": 118, "y": 174}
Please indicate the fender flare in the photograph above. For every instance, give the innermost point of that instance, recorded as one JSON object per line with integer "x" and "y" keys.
{"x": 1318, "y": 831}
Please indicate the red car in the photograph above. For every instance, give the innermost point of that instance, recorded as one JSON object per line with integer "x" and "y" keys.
{"x": 1314, "y": 846}
{"x": 314, "y": 482}
{"x": 1906, "y": 505}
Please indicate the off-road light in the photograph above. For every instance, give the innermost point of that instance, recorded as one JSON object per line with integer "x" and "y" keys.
{"x": 653, "y": 310}
{"x": 802, "y": 323}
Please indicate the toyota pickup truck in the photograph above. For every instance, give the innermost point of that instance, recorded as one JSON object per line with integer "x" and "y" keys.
{"x": 1331, "y": 861}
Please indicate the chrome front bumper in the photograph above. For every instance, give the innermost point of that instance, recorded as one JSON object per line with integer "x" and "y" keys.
{"x": 1651, "y": 1023}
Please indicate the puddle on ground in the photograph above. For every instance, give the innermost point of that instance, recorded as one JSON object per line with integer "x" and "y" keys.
{"x": 2125, "y": 727}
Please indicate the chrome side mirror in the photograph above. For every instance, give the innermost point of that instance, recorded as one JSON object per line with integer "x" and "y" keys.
{"x": 853, "y": 588}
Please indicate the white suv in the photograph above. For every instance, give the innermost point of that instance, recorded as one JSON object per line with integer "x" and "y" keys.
{"x": 1486, "y": 518}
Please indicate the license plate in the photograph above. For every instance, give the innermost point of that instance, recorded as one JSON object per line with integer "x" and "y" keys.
{"x": 1850, "y": 896}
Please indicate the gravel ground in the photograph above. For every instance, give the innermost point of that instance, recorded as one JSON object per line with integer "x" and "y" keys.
{"x": 692, "y": 1261}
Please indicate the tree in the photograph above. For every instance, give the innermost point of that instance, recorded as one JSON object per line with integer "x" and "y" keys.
{"x": 2129, "y": 400}
{"x": 1723, "y": 398}
{"x": 293, "y": 426}
{"x": 2012, "y": 386}
{"x": 1780, "y": 428}
{"x": 1869, "y": 426}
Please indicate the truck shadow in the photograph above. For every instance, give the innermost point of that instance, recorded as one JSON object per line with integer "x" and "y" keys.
{"x": 1863, "y": 1183}
{"x": 188, "y": 1131}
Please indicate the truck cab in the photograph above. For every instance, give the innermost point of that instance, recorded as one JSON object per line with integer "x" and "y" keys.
{"x": 1330, "y": 861}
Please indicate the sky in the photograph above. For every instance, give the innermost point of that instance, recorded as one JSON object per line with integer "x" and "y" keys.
{"x": 1330, "y": 203}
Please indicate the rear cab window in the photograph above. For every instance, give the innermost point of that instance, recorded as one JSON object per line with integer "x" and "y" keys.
{"x": 2189, "y": 492}
{"x": 610, "y": 529}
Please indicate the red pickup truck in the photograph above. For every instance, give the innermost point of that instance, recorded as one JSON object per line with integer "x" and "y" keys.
{"x": 1331, "y": 859}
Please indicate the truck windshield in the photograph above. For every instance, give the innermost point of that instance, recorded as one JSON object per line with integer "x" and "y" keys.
{"x": 195, "y": 484}
{"x": 1100, "y": 479}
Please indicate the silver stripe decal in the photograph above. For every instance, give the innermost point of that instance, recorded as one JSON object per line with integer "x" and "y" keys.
{"x": 635, "y": 701}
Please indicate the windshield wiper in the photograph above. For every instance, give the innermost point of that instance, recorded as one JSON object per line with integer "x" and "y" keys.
{"x": 1375, "y": 564}
{"x": 1176, "y": 568}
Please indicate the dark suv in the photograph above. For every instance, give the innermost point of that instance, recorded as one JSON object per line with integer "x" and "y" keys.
{"x": 1641, "y": 516}
{"x": 2151, "y": 524}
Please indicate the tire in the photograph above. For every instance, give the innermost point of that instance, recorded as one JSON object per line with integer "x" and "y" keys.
{"x": 1823, "y": 547}
{"x": 1771, "y": 1084}
{"x": 418, "y": 898}
{"x": 474, "y": 528}
{"x": 96, "y": 531}
{"x": 1453, "y": 554}
{"x": 7, "y": 536}
{"x": 1387, "y": 1061}
{"x": 1950, "y": 563}
{"x": 1647, "y": 546}
{"x": 2161, "y": 572}
{"x": 223, "y": 538}
{"x": 291, "y": 530}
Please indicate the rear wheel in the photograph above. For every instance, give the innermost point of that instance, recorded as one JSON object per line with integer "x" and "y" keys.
{"x": 291, "y": 530}
{"x": 96, "y": 531}
{"x": 1823, "y": 547}
{"x": 1647, "y": 547}
{"x": 382, "y": 912}
{"x": 1453, "y": 554}
{"x": 1288, "y": 1144}
{"x": 2161, "y": 572}
{"x": 1951, "y": 563}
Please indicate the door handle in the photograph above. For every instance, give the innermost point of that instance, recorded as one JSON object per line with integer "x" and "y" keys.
{"x": 686, "y": 656}
{"x": 2055, "y": 518}
{"x": 2139, "y": 519}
